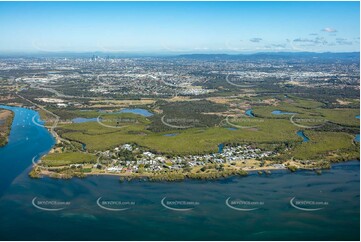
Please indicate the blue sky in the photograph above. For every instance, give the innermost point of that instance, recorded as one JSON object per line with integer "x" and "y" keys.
{"x": 179, "y": 27}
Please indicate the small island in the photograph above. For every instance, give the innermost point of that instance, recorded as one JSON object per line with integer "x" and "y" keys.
{"x": 6, "y": 119}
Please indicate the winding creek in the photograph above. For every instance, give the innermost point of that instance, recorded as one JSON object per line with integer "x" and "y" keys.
{"x": 278, "y": 112}
{"x": 303, "y": 136}
{"x": 275, "y": 215}
{"x": 249, "y": 113}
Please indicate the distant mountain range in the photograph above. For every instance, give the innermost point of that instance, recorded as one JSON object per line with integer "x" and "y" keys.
{"x": 253, "y": 56}
{"x": 275, "y": 55}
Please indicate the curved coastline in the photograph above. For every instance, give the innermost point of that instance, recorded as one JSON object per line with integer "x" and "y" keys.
{"x": 166, "y": 176}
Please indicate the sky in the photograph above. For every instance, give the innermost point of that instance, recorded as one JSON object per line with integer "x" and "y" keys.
{"x": 179, "y": 27}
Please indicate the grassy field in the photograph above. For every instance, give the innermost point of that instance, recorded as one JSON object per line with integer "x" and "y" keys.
{"x": 305, "y": 103}
{"x": 342, "y": 116}
{"x": 187, "y": 141}
{"x": 312, "y": 110}
{"x": 62, "y": 159}
{"x": 324, "y": 143}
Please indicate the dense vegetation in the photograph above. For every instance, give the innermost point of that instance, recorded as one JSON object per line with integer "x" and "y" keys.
{"x": 5, "y": 127}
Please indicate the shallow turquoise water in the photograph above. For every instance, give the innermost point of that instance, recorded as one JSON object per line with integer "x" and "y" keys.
{"x": 357, "y": 138}
{"x": 278, "y": 112}
{"x": 171, "y": 135}
{"x": 249, "y": 113}
{"x": 139, "y": 111}
{"x": 220, "y": 148}
{"x": 303, "y": 136}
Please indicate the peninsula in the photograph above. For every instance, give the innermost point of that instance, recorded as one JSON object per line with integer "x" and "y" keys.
{"x": 212, "y": 116}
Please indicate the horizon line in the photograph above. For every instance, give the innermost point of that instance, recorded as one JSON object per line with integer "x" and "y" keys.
{"x": 155, "y": 53}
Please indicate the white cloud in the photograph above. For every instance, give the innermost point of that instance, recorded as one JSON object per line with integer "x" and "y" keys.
{"x": 329, "y": 30}
{"x": 315, "y": 41}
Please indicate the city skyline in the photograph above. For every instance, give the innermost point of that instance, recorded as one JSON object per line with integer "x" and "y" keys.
{"x": 179, "y": 27}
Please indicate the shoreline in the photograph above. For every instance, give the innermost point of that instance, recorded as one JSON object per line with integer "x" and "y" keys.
{"x": 179, "y": 176}
{"x": 131, "y": 177}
